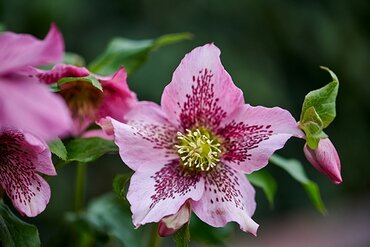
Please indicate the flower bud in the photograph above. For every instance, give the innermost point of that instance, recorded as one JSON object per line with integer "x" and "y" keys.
{"x": 325, "y": 159}
{"x": 170, "y": 224}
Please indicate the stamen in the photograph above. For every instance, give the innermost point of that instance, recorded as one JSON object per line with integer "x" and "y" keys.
{"x": 198, "y": 149}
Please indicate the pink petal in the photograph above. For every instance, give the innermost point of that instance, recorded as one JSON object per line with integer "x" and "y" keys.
{"x": 155, "y": 193}
{"x": 20, "y": 50}
{"x": 40, "y": 149}
{"x": 25, "y": 104}
{"x": 325, "y": 159}
{"x": 97, "y": 133}
{"x": 201, "y": 92}
{"x": 254, "y": 135}
{"x": 30, "y": 200}
{"x": 118, "y": 99}
{"x": 23, "y": 155}
{"x": 170, "y": 224}
{"x": 106, "y": 125}
{"x": 57, "y": 72}
{"x": 228, "y": 196}
{"x": 146, "y": 141}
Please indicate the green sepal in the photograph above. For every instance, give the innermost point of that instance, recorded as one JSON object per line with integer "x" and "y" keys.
{"x": 90, "y": 79}
{"x": 318, "y": 111}
{"x": 313, "y": 127}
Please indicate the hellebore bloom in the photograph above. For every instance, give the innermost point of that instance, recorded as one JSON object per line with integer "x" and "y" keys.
{"x": 86, "y": 102}
{"x": 197, "y": 146}
{"x": 24, "y": 102}
{"x": 325, "y": 159}
{"x": 22, "y": 157}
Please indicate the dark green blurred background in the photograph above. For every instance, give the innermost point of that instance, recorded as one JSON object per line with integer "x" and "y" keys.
{"x": 272, "y": 49}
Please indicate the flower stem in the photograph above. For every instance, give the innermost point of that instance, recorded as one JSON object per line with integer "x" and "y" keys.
{"x": 154, "y": 240}
{"x": 80, "y": 186}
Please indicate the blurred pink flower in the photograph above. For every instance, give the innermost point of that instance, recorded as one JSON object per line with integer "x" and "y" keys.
{"x": 86, "y": 102}
{"x": 24, "y": 102}
{"x": 325, "y": 159}
{"x": 22, "y": 157}
{"x": 197, "y": 146}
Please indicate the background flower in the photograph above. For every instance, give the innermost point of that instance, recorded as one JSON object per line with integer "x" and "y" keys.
{"x": 86, "y": 102}
{"x": 24, "y": 102}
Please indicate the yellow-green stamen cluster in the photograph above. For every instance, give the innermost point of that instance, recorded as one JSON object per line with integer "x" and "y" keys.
{"x": 198, "y": 149}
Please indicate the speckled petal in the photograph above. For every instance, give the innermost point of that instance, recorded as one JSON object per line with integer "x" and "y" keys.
{"x": 228, "y": 196}
{"x": 22, "y": 156}
{"x": 254, "y": 134}
{"x": 155, "y": 193}
{"x": 201, "y": 92}
{"x": 147, "y": 139}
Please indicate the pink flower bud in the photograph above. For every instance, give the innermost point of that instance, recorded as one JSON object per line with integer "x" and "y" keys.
{"x": 325, "y": 159}
{"x": 170, "y": 224}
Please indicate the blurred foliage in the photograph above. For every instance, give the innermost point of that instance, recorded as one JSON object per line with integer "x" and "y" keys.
{"x": 272, "y": 49}
{"x": 130, "y": 53}
{"x": 15, "y": 232}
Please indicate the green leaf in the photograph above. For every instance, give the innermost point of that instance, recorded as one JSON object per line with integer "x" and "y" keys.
{"x": 14, "y": 232}
{"x": 89, "y": 149}
{"x": 295, "y": 169}
{"x": 73, "y": 59}
{"x": 130, "y": 54}
{"x": 120, "y": 185}
{"x": 323, "y": 101}
{"x": 107, "y": 214}
{"x": 57, "y": 147}
{"x": 182, "y": 236}
{"x": 213, "y": 236}
{"x": 266, "y": 182}
{"x": 89, "y": 79}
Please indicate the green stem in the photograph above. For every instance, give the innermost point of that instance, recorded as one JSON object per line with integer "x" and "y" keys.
{"x": 80, "y": 186}
{"x": 154, "y": 240}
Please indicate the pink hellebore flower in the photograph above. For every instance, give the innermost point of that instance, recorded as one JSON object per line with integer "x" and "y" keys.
{"x": 86, "y": 102}
{"x": 24, "y": 102}
{"x": 22, "y": 156}
{"x": 196, "y": 147}
{"x": 325, "y": 159}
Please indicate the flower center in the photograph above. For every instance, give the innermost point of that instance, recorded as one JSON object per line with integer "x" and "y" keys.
{"x": 198, "y": 149}
{"x": 82, "y": 99}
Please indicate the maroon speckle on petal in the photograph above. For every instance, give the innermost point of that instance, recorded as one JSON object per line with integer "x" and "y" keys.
{"x": 173, "y": 181}
{"x": 239, "y": 138}
{"x": 224, "y": 183}
{"x": 201, "y": 108}
{"x": 162, "y": 136}
{"x": 17, "y": 171}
